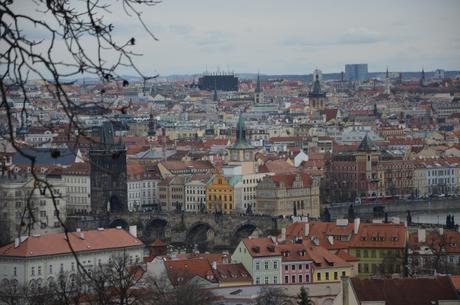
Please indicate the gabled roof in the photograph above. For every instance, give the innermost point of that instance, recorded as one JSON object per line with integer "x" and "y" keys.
{"x": 261, "y": 247}
{"x": 232, "y": 273}
{"x": 55, "y": 243}
{"x": 186, "y": 269}
{"x": 404, "y": 291}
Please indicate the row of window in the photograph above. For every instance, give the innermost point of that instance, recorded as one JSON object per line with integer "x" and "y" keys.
{"x": 296, "y": 267}
{"x": 297, "y": 279}
{"x": 266, "y": 265}
{"x": 327, "y": 276}
{"x": 266, "y": 280}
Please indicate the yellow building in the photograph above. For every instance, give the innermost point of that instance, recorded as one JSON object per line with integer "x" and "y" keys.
{"x": 220, "y": 196}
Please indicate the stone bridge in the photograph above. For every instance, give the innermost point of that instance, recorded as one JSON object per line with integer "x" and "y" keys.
{"x": 205, "y": 231}
{"x": 419, "y": 209}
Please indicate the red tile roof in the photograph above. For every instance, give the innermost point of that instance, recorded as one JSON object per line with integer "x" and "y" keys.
{"x": 277, "y": 167}
{"x": 450, "y": 240}
{"x": 379, "y": 235}
{"x": 261, "y": 247}
{"x": 288, "y": 180}
{"x": 183, "y": 270}
{"x": 55, "y": 243}
{"x": 232, "y": 273}
{"x": 405, "y": 291}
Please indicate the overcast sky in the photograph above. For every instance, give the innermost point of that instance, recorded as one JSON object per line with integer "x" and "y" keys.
{"x": 296, "y": 36}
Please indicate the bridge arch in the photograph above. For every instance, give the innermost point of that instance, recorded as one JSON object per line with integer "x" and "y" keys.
{"x": 119, "y": 222}
{"x": 244, "y": 231}
{"x": 200, "y": 235}
{"x": 155, "y": 229}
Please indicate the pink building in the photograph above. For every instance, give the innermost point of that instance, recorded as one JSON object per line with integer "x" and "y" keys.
{"x": 296, "y": 264}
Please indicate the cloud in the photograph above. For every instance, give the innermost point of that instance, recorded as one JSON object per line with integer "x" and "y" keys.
{"x": 351, "y": 36}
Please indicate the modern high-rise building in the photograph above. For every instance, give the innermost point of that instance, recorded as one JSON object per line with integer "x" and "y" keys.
{"x": 356, "y": 72}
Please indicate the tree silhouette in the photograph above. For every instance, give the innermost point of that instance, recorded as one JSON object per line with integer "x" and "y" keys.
{"x": 87, "y": 48}
{"x": 303, "y": 298}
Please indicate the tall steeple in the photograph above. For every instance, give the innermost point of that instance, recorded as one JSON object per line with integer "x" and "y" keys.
{"x": 387, "y": 83}
{"x": 242, "y": 153}
{"x": 316, "y": 96}
{"x": 258, "y": 94}
{"x": 241, "y": 141}
{"x": 258, "y": 89}
{"x": 422, "y": 78}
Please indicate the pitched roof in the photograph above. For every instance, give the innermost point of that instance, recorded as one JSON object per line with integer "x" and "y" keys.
{"x": 450, "y": 240}
{"x": 185, "y": 269}
{"x": 379, "y": 235}
{"x": 260, "y": 247}
{"x": 288, "y": 180}
{"x": 405, "y": 291}
{"x": 55, "y": 243}
{"x": 232, "y": 273}
{"x": 277, "y": 166}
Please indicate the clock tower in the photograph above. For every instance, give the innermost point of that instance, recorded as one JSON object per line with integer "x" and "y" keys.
{"x": 242, "y": 153}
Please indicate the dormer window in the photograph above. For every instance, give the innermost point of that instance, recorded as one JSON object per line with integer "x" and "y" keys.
{"x": 363, "y": 238}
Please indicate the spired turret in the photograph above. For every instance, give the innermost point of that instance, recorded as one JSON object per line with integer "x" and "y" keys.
{"x": 316, "y": 96}
{"x": 258, "y": 94}
{"x": 242, "y": 152}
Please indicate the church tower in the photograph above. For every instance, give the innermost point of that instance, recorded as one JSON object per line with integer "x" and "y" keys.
{"x": 258, "y": 94}
{"x": 422, "y": 78}
{"x": 316, "y": 97}
{"x": 242, "y": 153}
{"x": 387, "y": 83}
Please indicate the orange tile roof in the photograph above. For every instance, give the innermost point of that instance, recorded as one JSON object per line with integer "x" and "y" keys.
{"x": 277, "y": 167}
{"x": 288, "y": 180}
{"x": 260, "y": 247}
{"x": 379, "y": 235}
{"x": 450, "y": 239}
{"x": 232, "y": 273}
{"x": 183, "y": 270}
{"x": 55, "y": 243}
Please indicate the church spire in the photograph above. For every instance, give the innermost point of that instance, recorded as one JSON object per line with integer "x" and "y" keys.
{"x": 258, "y": 87}
{"x": 241, "y": 141}
{"x": 258, "y": 94}
{"x": 422, "y": 78}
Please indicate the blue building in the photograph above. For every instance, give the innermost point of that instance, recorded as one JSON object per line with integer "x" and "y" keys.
{"x": 356, "y": 72}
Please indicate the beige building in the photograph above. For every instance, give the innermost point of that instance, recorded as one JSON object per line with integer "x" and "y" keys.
{"x": 171, "y": 193}
{"x": 289, "y": 194}
{"x": 17, "y": 205}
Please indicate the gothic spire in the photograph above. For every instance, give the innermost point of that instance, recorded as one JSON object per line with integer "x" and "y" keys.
{"x": 258, "y": 87}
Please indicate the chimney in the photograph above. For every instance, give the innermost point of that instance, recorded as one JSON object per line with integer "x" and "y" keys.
{"x": 356, "y": 225}
{"x": 306, "y": 229}
{"x": 283, "y": 234}
{"x": 441, "y": 231}
{"x": 82, "y": 235}
{"x": 330, "y": 238}
{"x": 16, "y": 242}
{"x": 133, "y": 231}
{"x": 421, "y": 235}
{"x": 214, "y": 265}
